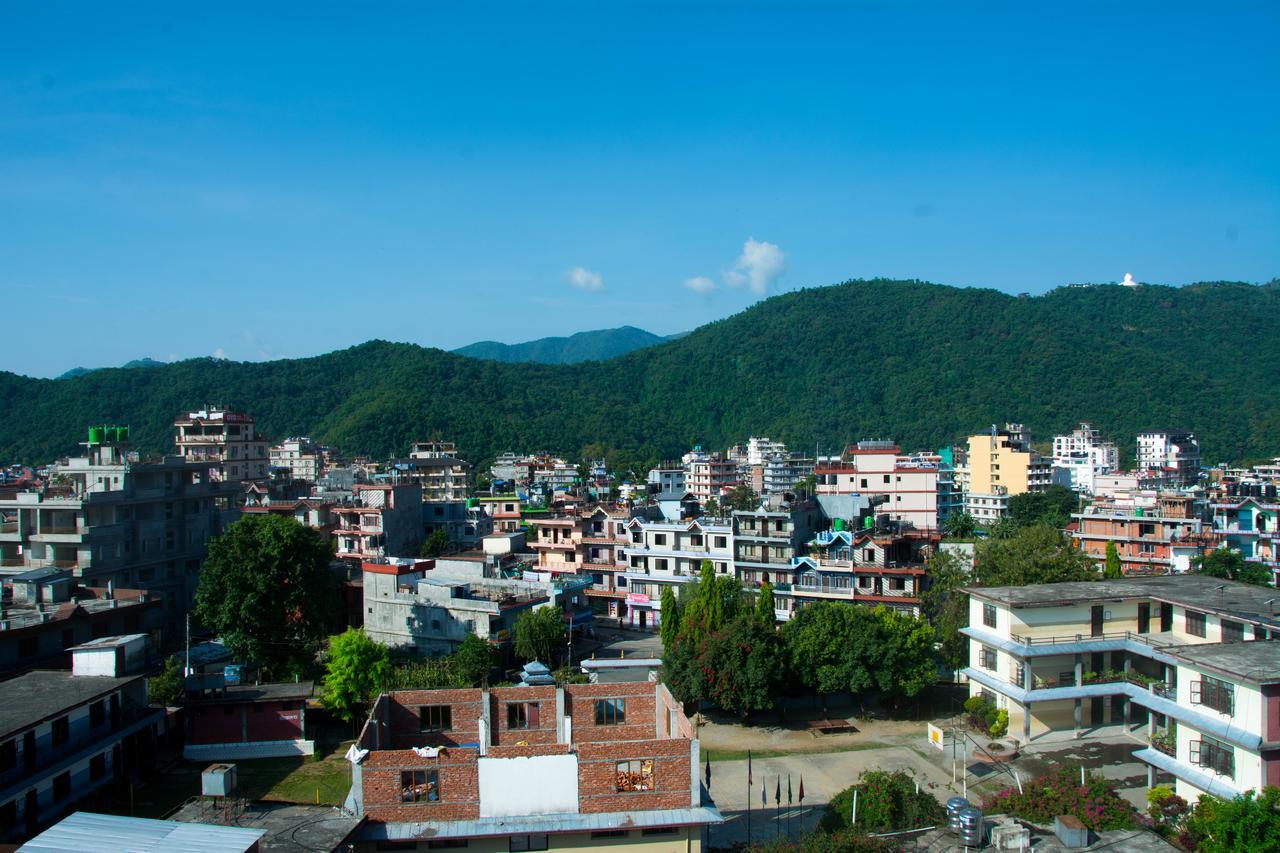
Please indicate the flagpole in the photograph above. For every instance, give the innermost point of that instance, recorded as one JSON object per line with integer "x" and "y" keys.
{"x": 748, "y": 798}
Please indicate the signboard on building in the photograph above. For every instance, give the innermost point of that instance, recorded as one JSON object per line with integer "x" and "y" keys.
{"x": 637, "y": 598}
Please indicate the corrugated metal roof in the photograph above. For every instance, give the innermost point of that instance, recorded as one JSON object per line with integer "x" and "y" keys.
{"x": 541, "y": 824}
{"x": 115, "y": 834}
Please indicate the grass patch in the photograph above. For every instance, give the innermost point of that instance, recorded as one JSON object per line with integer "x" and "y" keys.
{"x": 296, "y": 780}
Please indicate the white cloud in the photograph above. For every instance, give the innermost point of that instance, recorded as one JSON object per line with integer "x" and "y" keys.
{"x": 757, "y": 267}
{"x": 584, "y": 279}
{"x": 220, "y": 354}
{"x": 700, "y": 285}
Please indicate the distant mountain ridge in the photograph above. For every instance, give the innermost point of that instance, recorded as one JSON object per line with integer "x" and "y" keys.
{"x": 137, "y": 362}
{"x": 921, "y": 363}
{"x": 597, "y": 345}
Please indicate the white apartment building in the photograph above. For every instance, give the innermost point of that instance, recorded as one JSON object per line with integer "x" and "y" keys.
{"x": 226, "y": 441}
{"x": 1082, "y": 454}
{"x": 710, "y": 476}
{"x": 1171, "y": 659}
{"x": 665, "y": 553}
{"x": 1175, "y": 451}
{"x": 667, "y": 478}
{"x": 760, "y": 450}
{"x": 300, "y": 457}
{"x": 910, "y": 485}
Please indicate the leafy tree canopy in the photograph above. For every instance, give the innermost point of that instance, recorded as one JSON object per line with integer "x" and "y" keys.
{"x": 1230, "y": 564}
{"x": 435, "y": 544}
{"x": 1053, "y": 507}
{"x": 1033, "y": 555}
{"x": 539, "y": 634}
{"x": 267, "y": 590}
{"x": 356, "y": 671}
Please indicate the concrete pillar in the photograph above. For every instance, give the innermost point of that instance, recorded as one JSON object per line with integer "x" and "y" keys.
{"x": 1151, "y": 776}
{"x": 1128, "y": 667}
{"x": 1077, "y": 714}
{"x": 1026, "y": 722}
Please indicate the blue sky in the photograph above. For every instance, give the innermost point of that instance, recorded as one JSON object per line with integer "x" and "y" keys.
{"x": 177, "y": 183}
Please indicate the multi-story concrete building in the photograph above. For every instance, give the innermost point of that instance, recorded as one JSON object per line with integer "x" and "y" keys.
{"x": 316, "y": 513}
{"x": 465, "y": 521}
{"x": 379, "y": 521}
{"x": 1246, "y": 518}
{"x": 1175, "y": 451}
{"x": 411, "y": 604}
{"x": 505, "y": 510}
{"x": 226, "y": 442}
{"x": 300, "y": 457}
{"x": 587, "y": 542}
{"x": 766, "y": 539}
{"x": 999, "y": 465}
{"x": 1082, "y": 455}
{"x": 1151, "y": 540}
{"x": 780, "y": 474}
{"x": 584, "y": 767}
{"x": 910, "y": 485}
{"x": 65, "y": 734}
{"x": 46, "y": 612}
{"x": 1171, "y": 659}
{"x": 115, "y": 522}
{"x": 670, "y": 553}
{"x": 857, "y": 566}
{"x": 710, "y": 476}
{"x": 667, "y": 478}
{"x": 435, "y": 466}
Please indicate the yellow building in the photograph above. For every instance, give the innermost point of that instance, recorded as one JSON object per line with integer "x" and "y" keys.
{"x": 1001, "y": 464}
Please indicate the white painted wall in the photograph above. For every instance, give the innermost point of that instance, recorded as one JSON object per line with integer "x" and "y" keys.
{"x": 543, "y": 784}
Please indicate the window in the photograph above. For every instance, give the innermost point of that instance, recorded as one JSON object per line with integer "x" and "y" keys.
{"x": 635, "y": 775}
{"x": 1232, "y": 632}
{"x": 1215, "y": 755}
{"x": 419, "y": 786}
{"x": 989, "y": 615}
{"x": 659, "y": 539}
{"x": 611, "y": 712}
{"x": 435, "y": 718}
{"x": 97, "y": 714}
{"x": 660, "y": 830}
{"x": 1195, "y": 623}
{"x": 446, "y": 843}
{"x": 522, "y": 715}
{"x": 61, "y": 731}
{"x": 695, "y": 540}
{"x": 61, "y": 786}
{"x": 520, "y": 843}
{"x": 1213, "y": 693}
{"x": 8, "y": 755}
{"x": 609, "y": 833}
{"x": 987, "y": 658}
{"x": 98, "y": 766}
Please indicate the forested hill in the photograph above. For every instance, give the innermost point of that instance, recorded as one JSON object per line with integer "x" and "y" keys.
{"x": 596, "y": 345}
{"x": 921, "y": 363}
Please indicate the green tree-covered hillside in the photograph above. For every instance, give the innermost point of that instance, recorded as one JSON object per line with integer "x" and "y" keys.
{"x": 921, "y": 363}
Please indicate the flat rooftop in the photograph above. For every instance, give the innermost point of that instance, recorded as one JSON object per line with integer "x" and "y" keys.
{"x": 1257, "y": 661}
{"x": 288, "y": 828}
{"x": 115, "y": 834}
{"x": 1231, "y": 598}
{"x": 259, "y": 693}
{"x": 39, "y": 695}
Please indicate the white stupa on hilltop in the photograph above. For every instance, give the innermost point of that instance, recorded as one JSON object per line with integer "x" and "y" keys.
{"x": 1128, "y": 280}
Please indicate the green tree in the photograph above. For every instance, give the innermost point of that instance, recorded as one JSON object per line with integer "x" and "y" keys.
{"x": 1244, "y": 824}
{"x": 165, "y": 687}
{"x": 1034, "y": 555}
{"x": 946, "y": 607}
{"x": 1112, "y": 571}
{"x": 539, "y": 634}
{"x": 669, "y": 624}
{"x": 960, "y": 525}
{"x": 356, "y": 671}
{"x": 746, "y": 665}
{"x": 474, "y": 659}
{"x": 267, "y": 590}
{"x": 1230, "y": 564}
{"x": 888, "y": 801}
{"x": 765, "y": 605}
{"x": 1052, "y": 506}
{"x": 435, "y": 544}
{"x": 740, "y": 498}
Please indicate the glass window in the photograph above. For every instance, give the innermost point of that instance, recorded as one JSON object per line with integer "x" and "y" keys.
{"x": 611, "y": 712}
{"x": 1215, "y": 755}
{"x": 1214, "y": 693}
{"x": 61, "y": 731}
{"x": 989, "y": 615}
{"x": 522, "y": 715}
{"x": 1195, "y": 623}
{"x": 521, "y": 843}
{"x": 435, "y": 718}
{"x": 635, "y": 774}
{"x": 419, "y": 786}
{"x": 987, "y": 658}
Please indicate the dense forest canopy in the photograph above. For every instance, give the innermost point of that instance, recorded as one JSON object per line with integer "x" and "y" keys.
{"x": 921, "y": 363}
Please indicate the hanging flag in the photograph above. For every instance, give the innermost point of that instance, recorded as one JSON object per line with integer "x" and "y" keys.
{"x": 802, "y": 789}
{"x": 777, "y": 793}
{"x": 708, "y": 773}
{"x": 748, "y": 769}
{"x": 788, "y": 789}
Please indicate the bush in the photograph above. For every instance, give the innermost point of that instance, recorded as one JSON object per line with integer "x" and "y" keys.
{"x": 1245, "y": 824}
{"x": 887, "y": 802}
{"x": 1095, "y": 803}
{"x": 986, "y": 717}
{"x": 1166, "y": 809}
{"x": 844, "y": 841}
{"x": 1000, "y": 725}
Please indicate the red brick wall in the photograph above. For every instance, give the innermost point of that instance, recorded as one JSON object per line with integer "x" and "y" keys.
{"x": 597, "y": 776}
{"x": 640, "y": 709}
{"x": 459, "y": 785}
{"x": 276, "y": 721}
{"x": 543, "y": 697}
{"x": 403, "y": 718}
